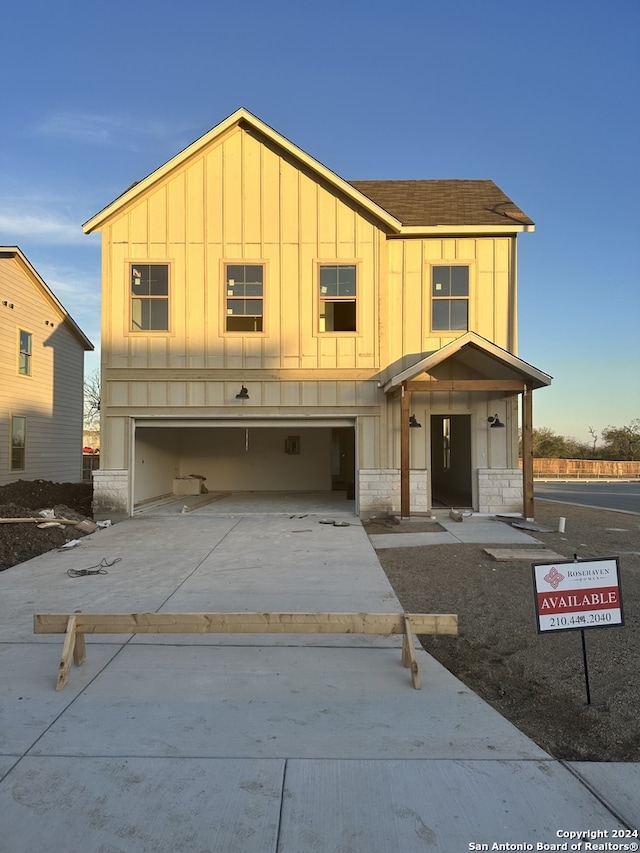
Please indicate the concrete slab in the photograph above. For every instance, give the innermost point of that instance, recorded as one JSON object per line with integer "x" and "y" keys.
{"x": 411, "y": 540}
{"x": 528, "y": 554}
{"x": 30, "y": 702}
{"x": 142, "y": 805}
{"x": 474, "y": 530}
{"x": 617, "y": 784}
{"x": 130, "y": 756}
{"x": 486, "y": 531}
{"x": 432, "y": 805}
{"x": 276, "y": 703}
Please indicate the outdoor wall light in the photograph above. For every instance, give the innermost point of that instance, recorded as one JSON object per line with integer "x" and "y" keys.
{"x": 413, "y": 423}
{"x": 495, "y": 422}
{"x": 242, "y": 394}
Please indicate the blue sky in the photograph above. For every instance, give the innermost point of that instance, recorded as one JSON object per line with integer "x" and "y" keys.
{"x": 540, "y": 97}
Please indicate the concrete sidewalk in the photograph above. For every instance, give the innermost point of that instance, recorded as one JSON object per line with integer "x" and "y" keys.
{"x": 287, "y": 743}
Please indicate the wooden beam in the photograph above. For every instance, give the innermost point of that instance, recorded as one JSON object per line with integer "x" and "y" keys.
{"x": 75, "y": 626}
{"x": 246, "y": 623}
{"x": 443, "y": 385}
{"x": 40, "y": 520}
{"x": 411, "y": 652}
{"x": 405, "y": 498}
{"x": 528, "y": 505}
{"x": 68, "y": 652}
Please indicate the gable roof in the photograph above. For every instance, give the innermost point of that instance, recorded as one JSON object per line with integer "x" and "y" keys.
{"x": 404, "y": 207}
{"x": 444, "y": 202}
{"x": 243, "y": 118}
{"x": 14, "y": 252}
{"x": 472, "y": 352}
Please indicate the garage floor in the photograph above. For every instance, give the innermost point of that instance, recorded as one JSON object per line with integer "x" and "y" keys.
{"x": 251, "y": 503}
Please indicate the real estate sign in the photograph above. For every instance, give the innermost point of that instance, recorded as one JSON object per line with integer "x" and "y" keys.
{"x": 582, "y": 594}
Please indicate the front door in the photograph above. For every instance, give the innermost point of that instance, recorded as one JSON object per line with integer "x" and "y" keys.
{"x": 451, "y": 461}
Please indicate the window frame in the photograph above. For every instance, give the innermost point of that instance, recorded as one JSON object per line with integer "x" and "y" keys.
{"x": 225, "y": 263}
{"x": 27, "y": 355}
{"x": 133, "y": 264}
{"x": 448, "y": 297}
{"x": 13, "y": 446}
{"x": 320, "y": 300}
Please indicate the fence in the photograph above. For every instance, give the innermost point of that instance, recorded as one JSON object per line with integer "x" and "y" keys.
{"x": 90, "y": 461}
{"x": 585, "y": 469}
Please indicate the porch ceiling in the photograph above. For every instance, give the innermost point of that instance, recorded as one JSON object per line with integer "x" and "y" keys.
{"x": 470, "y": 358}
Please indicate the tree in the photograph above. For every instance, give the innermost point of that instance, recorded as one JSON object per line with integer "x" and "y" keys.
{"x": 91, "y": 412}
{"x": 546, "y": 444}
{"x": 622, "y": 443}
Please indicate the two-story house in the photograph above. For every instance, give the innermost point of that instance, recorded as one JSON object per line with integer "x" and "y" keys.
{"x": 41, "y": 378}
{"x": 269, "y": 325}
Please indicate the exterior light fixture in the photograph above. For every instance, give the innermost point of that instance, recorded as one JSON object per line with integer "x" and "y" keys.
{"x": 243, "y": 394}
{"x": 413, "y": 423}
{"x": 495, "y": 422}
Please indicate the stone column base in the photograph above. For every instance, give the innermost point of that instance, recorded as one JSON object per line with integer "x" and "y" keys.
{"x": 500, "y": 490}
{"x": 379, "y": 490}
{"x": 110, "y": 492}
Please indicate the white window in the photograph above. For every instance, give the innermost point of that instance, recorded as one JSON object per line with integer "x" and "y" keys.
{"x": 150, "y": 297}
{"x": 24, "y": 357}
{"x": 338, "y": 298}
{"x": 244, "y": 297}
{"x": 18, "y": 442}
{"x": 449, "y": 298}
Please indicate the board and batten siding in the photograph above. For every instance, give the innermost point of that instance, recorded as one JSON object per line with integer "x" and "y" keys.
{"x": 51, "y": 397}
{"x": 492, "y": 310}
{"x": 239, "y": 200}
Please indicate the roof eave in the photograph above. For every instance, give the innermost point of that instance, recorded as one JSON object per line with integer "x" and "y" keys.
{"x": 419, "y": 230}
{"x": 49, "y": 294}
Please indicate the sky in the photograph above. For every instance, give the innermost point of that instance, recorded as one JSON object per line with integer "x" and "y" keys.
{"x": 542, "y": 98}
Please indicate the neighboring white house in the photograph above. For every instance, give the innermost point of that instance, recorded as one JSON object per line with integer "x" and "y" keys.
{"x": 41, "y": 378}
{"x": 272, "y": 326}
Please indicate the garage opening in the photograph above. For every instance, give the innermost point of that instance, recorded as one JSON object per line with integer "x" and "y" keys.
{"x": 245, "y": 458}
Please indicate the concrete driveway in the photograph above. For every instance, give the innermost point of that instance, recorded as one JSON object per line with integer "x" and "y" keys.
{"x": 259, "y": 742}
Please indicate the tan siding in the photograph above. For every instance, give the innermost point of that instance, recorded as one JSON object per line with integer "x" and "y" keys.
{"x": 51, "y": 397}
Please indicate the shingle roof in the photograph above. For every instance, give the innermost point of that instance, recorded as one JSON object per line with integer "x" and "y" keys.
{"x": 443, "y": 202}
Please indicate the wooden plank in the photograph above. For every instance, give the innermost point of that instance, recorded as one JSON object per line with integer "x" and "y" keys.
{"x": 411, "y": 652}
{"x": 440, "y": 385}
{"x": 40, "y": 520}
{"x": 506, "y": 555}
{"x": 68, "y": 650}
{"x": 247, "y": 623}
{"x": 80, "y": 649}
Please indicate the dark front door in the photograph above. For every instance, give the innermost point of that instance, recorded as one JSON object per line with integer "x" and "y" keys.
{"x": 451, "y": 461}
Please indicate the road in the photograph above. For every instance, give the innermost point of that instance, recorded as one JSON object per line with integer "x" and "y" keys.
{"x": 603, "y": 495}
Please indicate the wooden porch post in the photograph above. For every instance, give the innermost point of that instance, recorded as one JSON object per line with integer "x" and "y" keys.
{"x": 528, "y": 509}
{"x": 405, "y": 509}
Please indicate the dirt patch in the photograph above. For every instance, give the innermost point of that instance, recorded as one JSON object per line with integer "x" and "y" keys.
{"x": 536, "y": 680}
{"x": 21, "y": 541}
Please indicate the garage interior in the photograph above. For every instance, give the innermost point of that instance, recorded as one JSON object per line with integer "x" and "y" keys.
{"x": 247, "y": 456}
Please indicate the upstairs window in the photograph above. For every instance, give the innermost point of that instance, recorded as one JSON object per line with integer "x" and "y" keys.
{"x": 24, "y": 357}
{"x": 244, "y": 287}
{"x": 18, "y": 442}
{"x": 338, "y": 298}
{"x": 150, "y": 297}
{"x": 450, "y": 298}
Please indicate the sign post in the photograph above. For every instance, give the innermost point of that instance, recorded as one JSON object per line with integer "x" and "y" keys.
{"x": 578, "y": 595}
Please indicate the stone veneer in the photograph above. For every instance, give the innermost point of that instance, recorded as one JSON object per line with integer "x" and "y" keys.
{"x": 379, "y": 490}
{"x": 499, "y": 490}
{"x": 110, "y": 492}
